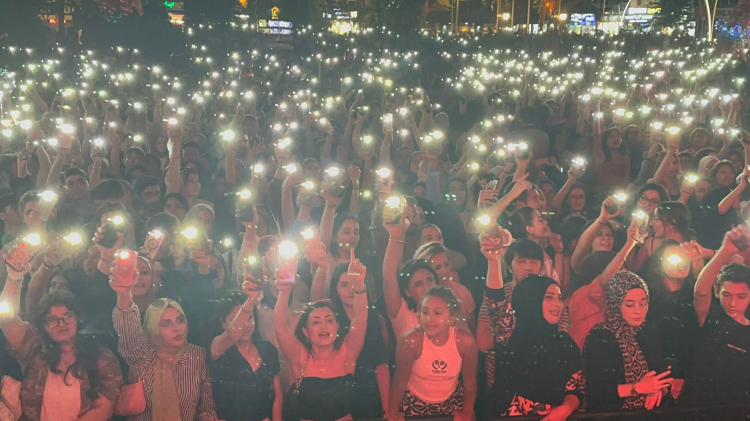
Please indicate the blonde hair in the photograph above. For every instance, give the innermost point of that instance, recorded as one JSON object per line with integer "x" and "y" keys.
{"x": 192, "y": 214}
{"x": 427, "y": 250}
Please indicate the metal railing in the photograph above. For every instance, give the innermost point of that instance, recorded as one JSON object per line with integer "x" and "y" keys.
{"x": 712, "y": 413}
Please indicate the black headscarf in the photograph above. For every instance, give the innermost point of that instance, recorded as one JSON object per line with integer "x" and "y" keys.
{"x": 527, "y": 300}
{"x": 540, "y": 363}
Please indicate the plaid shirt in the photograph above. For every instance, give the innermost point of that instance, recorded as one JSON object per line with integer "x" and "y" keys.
{"x": 30, "y": 356}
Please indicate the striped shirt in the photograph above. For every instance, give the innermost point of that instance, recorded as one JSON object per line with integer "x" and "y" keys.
{"x": 191, "y": 372}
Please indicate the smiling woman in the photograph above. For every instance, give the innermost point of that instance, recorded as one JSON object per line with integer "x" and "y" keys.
{"x": 539, "y": 372}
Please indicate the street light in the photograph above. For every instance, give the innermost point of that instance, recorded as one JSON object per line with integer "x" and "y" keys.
{"x": 563, "y": 16}
{"x": 506, "y": 16}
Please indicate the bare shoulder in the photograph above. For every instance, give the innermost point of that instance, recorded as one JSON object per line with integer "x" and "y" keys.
{"x": 411, "y": 341}
{"x": 465, "y": 341}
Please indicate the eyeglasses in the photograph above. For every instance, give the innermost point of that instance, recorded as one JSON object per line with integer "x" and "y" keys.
{"x": 66, "y": 319}
{"x": 655, "y": 202}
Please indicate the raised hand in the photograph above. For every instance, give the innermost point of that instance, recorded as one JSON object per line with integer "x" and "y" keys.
{"x": 252, "y": 290}
{"x": 356, "y": 270}
{"x": 399, "y": 230}
{"x": 635, "y": 232}
{"x": 123, "y": 272}
{"x": 20, "y": 266}
{"x": 487, "y": 198}
{"x": 605, "y": 213}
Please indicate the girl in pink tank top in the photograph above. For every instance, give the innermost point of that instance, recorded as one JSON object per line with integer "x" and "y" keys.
{"x": 429, "y": 360}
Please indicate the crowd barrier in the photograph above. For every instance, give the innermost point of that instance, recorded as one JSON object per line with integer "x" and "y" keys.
{"x": 713, "y": 413}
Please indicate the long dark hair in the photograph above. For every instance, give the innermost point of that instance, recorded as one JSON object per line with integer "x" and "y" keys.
{"x": 87, "y": 351}
{"x": 677, "y": 215}
{"x": 336, "y": 303}
{"x": 337, "y": 223}
{"x": 222, "y": 309}
{"x": 565, "y": 208}
{"x": 300, "y": 334}
{"x": 622, "y": 150}
{"x": 655, "y": 274}
{"x": 411, "y": 267}
{"x": 521, "y": 219}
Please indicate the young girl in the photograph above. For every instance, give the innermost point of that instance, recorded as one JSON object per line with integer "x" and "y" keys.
{"x": 429, "y": 361}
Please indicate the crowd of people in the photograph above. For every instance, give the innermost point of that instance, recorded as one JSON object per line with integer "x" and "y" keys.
{"x": 366, "y": 226}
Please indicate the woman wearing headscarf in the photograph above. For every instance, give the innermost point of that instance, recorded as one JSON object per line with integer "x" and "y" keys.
{"x": 174, "y": 372}
{"x": 622, "y": 357}
{"x": 706, "y": 164}
{"x": 539, "y": 372}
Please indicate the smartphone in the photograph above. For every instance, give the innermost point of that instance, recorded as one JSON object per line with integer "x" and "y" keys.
{"x": 287, "y": 261}
{"x": 394, "y": 207}
{"x": 613, "y": 208}
{"x": 523, "y": 151}
{"x": 111, "y": 227}
{"x": 492, "y": 184}
{"x": 109, "y": 237}
{"x": 578, "y": 171}
{"x": 69, "y": 245}
{"x": 125, "y": 263}
{"x": 247, "y": 214}
{"x": 152, "y": 244}
{"x": 388, "y": 122}
{"x": 741, "y": 243}
{"x": 19, "y": 257}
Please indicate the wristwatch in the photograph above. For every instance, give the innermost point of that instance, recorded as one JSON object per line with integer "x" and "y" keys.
{"x": 633, "y": 393}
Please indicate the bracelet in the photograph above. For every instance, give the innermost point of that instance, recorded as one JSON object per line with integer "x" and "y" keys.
{"x": 15, "y": 281}
{"x": 96, "y": 168}
{"x": 242, "y": 308}
{"x": 399, "y": 241}
{"x": 359, "y": 291}
{"x": 44, "y": 262}
{"x": 633, "y": 392}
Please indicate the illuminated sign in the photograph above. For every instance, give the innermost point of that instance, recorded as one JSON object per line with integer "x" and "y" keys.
{"x": 279, "y": 24}
{"x": 339, "y": 14}
{"x": 276, "y": 31}
{"x": 263, "y": 23}
{"x": 641, "y": 14}
{"x": 583, "y": 19}
{"x": 275, "y": 12}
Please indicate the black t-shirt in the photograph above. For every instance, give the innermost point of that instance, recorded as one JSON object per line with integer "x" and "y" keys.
{"x": 720, "y": 369}
{"x": 673, "y": 315}
{"x": 240, "y": 393}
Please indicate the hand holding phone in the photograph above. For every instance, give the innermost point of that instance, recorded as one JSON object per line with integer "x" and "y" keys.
{"x": 124, "y": 270}
{"x": 287, "y": 262}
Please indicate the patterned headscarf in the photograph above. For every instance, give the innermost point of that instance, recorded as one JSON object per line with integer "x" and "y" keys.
{"x": 635, "y": 363}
